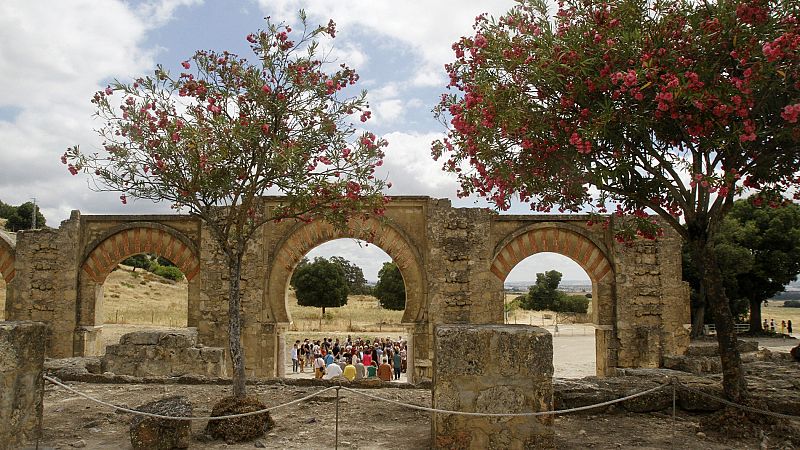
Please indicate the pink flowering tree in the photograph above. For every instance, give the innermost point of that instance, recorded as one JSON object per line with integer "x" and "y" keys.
{"x": 215, "y": 138}
{"x": 672, "y": 108}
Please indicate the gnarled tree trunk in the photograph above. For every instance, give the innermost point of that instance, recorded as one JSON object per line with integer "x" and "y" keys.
{"x": 755, "y": 315}
{"x": 733, "y": 381}
{"x": 235, "y": 324}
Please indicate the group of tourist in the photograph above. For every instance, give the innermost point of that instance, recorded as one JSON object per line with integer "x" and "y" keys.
{"x": 352, "y": 359}
{"x": 786, "y": 326}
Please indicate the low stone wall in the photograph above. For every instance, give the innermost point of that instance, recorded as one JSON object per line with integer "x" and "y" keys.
{"x": 22, "y": 346}
{"x": 492, "y": 369}
{"x": 163, "y": 353}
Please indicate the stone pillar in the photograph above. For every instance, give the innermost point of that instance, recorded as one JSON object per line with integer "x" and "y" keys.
{"x": 22, "y": 347}
{"x": 492, "y": 369}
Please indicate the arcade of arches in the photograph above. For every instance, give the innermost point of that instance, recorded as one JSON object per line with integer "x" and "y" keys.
{"x": 453, "y": 260}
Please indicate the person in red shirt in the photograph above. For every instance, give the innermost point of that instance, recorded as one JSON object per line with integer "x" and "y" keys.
{"x": 385, "y": 371}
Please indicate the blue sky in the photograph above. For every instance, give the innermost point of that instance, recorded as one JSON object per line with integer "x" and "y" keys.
{"x": 55, "y": 54}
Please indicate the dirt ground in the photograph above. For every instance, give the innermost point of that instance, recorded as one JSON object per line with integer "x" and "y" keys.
{"x": 73, "y": 422}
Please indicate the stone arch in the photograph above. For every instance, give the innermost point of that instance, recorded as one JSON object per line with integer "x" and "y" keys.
{"x": 589, "y": 253}
{"x": 131, "y": 239}
{"x": 304, "y": 237}
{"x": 562, "y": 238}
{"x": 104, "y": 253}
{"x": 7, "y": 258}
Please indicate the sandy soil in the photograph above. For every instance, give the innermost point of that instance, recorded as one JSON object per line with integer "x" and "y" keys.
{"x": 71, "y": 421}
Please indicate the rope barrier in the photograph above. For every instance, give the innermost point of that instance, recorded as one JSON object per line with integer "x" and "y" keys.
{"x": 160, "y": 416}
{"x": 674, "y": 382}
{"x": 530, "y": 414}
{"x": 736, "y": 405}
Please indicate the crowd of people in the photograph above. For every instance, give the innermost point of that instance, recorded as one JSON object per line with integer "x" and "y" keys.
{"x": 352, "y": 359}
{"x": 784, "y": 326}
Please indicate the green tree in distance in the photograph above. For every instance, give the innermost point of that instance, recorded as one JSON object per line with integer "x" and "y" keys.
{"x": 356, "y": 283}
{"x": 759, "y": 253}
{"x": 543, "y": 295}
{"x": 390, "y": 289}
{"x": 669, "y": 107}
{"x": 22, "y": 218}
{"x": 321, "y": 284}
{"x": 215, "y": 138}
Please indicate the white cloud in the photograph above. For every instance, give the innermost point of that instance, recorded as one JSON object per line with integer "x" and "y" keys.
{"x": 427, "y": 27}
{"x": 54, "y": 56}
{"x": 411, "y": 169}
{"x": 368, "y": 257}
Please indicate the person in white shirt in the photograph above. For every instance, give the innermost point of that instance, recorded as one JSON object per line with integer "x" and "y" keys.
{"x": 332, "y": 371}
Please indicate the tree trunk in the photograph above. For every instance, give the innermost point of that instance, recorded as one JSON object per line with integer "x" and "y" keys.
{"x": 323, "y": 312}
{"x": 235, "y": 325}
{"x": 755, "y": 315}
{"x": 700, "y": 314}
{"x": 733, "y": 382}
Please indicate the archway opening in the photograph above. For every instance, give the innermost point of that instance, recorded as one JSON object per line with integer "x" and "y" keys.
{"x": 143, "y": 292}
{"x": 552, "y": 291}
{"x": 368, "y": 323}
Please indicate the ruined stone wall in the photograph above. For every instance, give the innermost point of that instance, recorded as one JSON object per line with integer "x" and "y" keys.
{"x": 652, "y": 301}
{"x": 164, "y": 353}
{"x": 21, "y": 383}
{"x": 47, "y": 292}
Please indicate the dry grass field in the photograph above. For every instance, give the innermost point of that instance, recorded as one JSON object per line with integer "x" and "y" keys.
{"x": 146, "y": 299}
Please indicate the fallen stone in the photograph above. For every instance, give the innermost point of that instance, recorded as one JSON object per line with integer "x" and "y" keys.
{"x": 162, "y": 434}
{"x": 78, "y": 444}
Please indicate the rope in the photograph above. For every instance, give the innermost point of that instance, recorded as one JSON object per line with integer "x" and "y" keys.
{"x": 530, "y": 414}
{"x": 160, "y": 416}
{"x": 737, "y": 405}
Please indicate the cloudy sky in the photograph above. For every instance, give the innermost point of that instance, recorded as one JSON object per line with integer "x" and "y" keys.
{"x": 55, "y": 54}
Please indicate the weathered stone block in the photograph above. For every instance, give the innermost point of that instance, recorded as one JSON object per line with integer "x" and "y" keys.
{"x": 492, "y": 369}
{"x": 22, "y": 347}
{"x": 172, "y": 354}
{"x": 150, "y": 433}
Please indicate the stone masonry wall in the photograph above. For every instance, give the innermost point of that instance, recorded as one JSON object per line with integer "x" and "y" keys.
{"x": 162, "y": 353}
{"x": 652, "y": 304}
{"x": 492, "y": 369}
{"x": 47, "y": 292}
{"x": 21, "y": 382}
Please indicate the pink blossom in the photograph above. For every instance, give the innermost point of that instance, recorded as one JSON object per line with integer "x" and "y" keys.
{"x": 791, "y": 112}
{"x": 185, "y": 64}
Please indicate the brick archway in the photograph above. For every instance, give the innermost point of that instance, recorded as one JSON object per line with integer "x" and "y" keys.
{"x": 593, "y": 257}
{"x": 305, "y": 237}
{"x": 560, "y": 238}
{"x": 111, "y": 248}
{"x": 7, "y": 258}
{"x": 143, "y": 237}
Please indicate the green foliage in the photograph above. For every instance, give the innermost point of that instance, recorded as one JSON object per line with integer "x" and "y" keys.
{"x": 140, "y": 261}
{"x": 578, "y": 304}
{"x": 320, "y": 284}
{"x": 390, "y": 289}
{"x": 21, "y": 217}
{"x": 169, "y": 272}
{"x": 303, "y": 262}
{"x": 543, "y": 295}
{"x": 6, "y": 210}
{"x": 353, "y": 275}
{"x": 758, "y": 250}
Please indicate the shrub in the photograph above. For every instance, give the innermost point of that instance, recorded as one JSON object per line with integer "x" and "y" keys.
{"x": 791, "y": 304}
{"x": 572, "y": 304}
{"x": 169, "y": 272}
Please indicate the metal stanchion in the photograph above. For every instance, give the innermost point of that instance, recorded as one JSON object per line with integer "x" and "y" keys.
{"x": 337, "y": 416}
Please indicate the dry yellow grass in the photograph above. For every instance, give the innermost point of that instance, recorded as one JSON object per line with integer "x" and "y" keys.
{"x": 143, "y": 298}
{"x": 778, "y": 312}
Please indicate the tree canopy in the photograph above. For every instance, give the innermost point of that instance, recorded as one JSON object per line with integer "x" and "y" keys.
{"x": 21, "y": 217}
{"x": 224, "y": 131}
{"x": 759, "y": 253}
{"x": 321, "y": 284}
{"x": 353, "y": 275}
{"x": 543, "y": 295}
{"x": 669, "y": 107}
{"x": 390, "y": 289}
